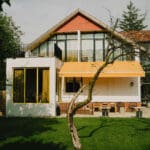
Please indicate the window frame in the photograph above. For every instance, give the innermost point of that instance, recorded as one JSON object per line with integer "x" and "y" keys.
{"x": 66, "y": 37}
{"x": 13, "y": 90}
{"x": 73, "y": 81}
{"x": 25, "y": 86}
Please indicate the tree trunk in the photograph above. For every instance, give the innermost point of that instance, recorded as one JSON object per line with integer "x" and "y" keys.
{"x": 72, "y": 128}
{"x": 74, "y": 133}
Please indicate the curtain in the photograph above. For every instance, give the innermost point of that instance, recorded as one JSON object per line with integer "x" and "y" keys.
{"x": 18, "y": 86}
{"x": 45, "y": 85}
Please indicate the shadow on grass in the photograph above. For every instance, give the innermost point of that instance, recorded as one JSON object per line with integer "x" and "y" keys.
{"x": 92, "y": 132}
{"x": 21, "y": 133}
{"x": 34, "y": 146}
{"x": 25, "y": 127}
{"x": 103, "y": 123}
{"x": 81, "y": 128}
{"x": 146, "y": 125}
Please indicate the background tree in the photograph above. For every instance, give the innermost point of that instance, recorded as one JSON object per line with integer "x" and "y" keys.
{"x": 132, "y": 19}
{"x": 10, "y": 43}
{"x": 2, "y": 2}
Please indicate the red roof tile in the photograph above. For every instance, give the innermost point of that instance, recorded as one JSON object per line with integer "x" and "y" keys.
{"x": 138, "y": 36}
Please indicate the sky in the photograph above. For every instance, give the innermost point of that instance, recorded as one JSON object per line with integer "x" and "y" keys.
{"x": 37, "y": 16}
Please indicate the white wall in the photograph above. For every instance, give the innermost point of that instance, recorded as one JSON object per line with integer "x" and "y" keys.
{"x": 31, "y": 109}
{"x": 110, "y": 90}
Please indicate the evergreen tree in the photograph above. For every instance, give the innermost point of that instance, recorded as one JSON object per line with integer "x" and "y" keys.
{"x": 132, "y": 19}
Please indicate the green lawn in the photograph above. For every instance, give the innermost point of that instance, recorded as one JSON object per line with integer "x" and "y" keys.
{"x": 95, "y": 134}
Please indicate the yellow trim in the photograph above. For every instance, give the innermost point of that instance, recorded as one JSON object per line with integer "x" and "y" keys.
{"x": 24, "y": 85}
{"x": 45, "y": 85}
{"x": 59, "y": 89}
{"x": 14, "y": 75}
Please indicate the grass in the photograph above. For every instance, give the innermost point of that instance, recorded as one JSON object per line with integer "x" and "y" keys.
{"x": 95, "y": 133}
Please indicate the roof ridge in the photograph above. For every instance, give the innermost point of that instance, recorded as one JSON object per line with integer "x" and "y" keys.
{"x": 51, "y": 31}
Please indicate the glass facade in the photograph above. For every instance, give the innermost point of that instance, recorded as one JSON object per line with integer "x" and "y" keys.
{"x": 43, "y": 49}
{"x": 87, "y": 50}
{"x": 99, "y": 50}
{"x": 93, "y": 47}
{"x": 18, "y": 83}
{"x": 31, "y": 85}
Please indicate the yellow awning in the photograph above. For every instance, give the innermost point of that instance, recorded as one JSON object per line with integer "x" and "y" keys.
{"x": 88, "y": 69}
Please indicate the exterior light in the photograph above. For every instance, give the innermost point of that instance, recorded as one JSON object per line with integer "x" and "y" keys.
{"x": 132, "y": 83}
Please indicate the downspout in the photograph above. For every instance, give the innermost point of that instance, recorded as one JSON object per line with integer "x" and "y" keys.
{"x": 79, "y": 45}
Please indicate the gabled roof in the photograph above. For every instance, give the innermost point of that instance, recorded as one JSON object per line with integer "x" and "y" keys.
{"x": 138, "y": 36}
{"x": 79, "y": 22}
{"x": 95, "y": 21}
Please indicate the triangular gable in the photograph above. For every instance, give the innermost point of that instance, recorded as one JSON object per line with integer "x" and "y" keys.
{"x": 79, "y": 22}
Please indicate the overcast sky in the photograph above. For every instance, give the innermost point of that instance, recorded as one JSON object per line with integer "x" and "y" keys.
{"x": 37, "y": 16}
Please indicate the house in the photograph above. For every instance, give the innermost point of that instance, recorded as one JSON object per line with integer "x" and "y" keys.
{"x": 66, "y": 57}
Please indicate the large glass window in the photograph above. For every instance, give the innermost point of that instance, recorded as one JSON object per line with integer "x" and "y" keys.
{"x": 61, "y": 37}
{"x": 31, "y": 85}
{"x": 73, "y": 84}
{"x": 43, "y": 49}
{"x": 61, "y": 45}
{"x": 99, "y": 35}
{"x": 51, "y": 48}
{"x": 35, "y": 52}
{"x": 43, "y": 85}
{"x": 72, "y": 52}
{"x": 87, "y": 50}
{"x": 18, "y": 86}
{"x": 87, "y": 36}
{"x": 99, "y": 50}
{"x": 72, "y": 36}
{"x": 93, "y": 47}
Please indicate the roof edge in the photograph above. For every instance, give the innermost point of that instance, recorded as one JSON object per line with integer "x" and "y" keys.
{"x": 50, "y": 32}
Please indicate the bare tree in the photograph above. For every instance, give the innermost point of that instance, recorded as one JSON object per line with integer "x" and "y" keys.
{"x": 109, "y": 59}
